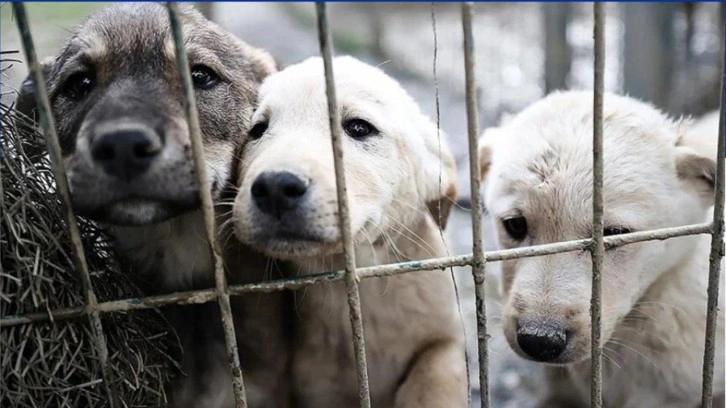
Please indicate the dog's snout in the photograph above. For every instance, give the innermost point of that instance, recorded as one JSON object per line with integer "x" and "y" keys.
{"x": 543, "y": 341}
{"x": 125, "y": 153}
{"x": 278, "y": 192}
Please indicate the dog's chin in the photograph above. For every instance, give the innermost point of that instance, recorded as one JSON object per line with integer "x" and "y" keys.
{"x": 137, "y": 211}
{"x": 292, "y": 246}
{"x": 288, "y": 243}
{"x": 288, "y": 250}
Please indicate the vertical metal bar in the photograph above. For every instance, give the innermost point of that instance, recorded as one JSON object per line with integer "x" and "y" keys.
{"x": 558, "y": 52}
{"x": 478, "y": 266}
{"x": 717, "y": 253}
{"x": 649, "y": 26}
{"x": 351, "y": 276}
{"x": 207, "y": 206}
{"x": 51, "y": 139}
{"x": 598, "y": 247}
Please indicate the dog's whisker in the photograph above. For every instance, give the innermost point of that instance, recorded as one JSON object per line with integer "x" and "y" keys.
{"x": 610, "y": 358}
{"x": 398, "y": 255}
{"x": 416, "y": 236}
{"x": 622, "y": 344}
{"x": 417, "y": 241}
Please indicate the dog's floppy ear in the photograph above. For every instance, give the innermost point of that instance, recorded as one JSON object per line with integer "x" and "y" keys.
{"x": 486, "y": 143}
{"x": 698, "y": 169}
{"x": 439, "y": 174}
{"x": 25, "y": 103}
{"x": 696, "y": 161}
{"x": 27, "y": 120}
{"x": 485, "y": 146}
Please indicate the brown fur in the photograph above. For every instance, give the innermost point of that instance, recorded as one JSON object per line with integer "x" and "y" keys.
{"x": 154, "y": 217}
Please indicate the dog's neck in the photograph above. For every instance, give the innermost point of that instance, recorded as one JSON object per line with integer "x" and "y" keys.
{"x": 420, "y": 240}
{"x": 172, "y": 255}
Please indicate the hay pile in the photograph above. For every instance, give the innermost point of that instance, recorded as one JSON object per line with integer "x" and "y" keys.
{"x": 55, "y": 364}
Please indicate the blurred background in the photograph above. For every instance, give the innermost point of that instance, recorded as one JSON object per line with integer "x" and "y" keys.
{"x": 666, "y": 53}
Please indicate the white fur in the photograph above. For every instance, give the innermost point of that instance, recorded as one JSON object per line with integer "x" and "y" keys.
{"x": 413, "y": 337}
{"x": 539, "y": 165}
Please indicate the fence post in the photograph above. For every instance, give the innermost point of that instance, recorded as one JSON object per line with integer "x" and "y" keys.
{"x": 598, "y": 245}
{"x": 717, "y": 254}
{"x": 648, "y": 28}
{"x": 351, "y": 275}
{"x": 478, "y": 266}
{"x": 558, "y": 53}
{"x": 54, "y": 151}
{"x": 205, "y": 193}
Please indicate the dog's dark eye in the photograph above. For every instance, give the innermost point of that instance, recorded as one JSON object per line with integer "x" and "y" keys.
{"x": 615, "y": 230}
{"x": 359, "y": 129}
{"x": 258, "y": 130}
{"x": 78, "y": 85}
{"x": 516, "y": 227}
{"x": 204, "y": 77}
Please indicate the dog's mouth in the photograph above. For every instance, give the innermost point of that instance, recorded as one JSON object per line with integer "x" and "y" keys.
{"x": 148, "y": 200}
{"x": 286, "y": 242}
{"x": 283, "y": 216}
{"x": 295, "y": 236}
{"x": 138, "y": 211}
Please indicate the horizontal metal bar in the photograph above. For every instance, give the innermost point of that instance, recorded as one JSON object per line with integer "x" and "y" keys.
{"x": 207, "y": 295}
{"x": 124, "y": 305}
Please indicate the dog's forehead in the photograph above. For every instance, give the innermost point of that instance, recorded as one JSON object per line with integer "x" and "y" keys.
{"x": 125, "y": 28}
{"x": 138, "y": 34}
{"x": 544, "y": 160}
{"x": 355, "y": 82}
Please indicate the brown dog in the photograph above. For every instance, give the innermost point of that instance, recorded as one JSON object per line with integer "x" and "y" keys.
{"x": 118, "y": 106}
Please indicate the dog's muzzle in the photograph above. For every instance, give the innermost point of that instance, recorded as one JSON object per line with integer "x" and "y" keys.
{"x": 542, "y": 341}
{"x": 278, "y": 193}
{"x": 125, "y": 153}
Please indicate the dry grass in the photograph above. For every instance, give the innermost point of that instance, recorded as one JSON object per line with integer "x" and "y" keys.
{"x": 55, "y": 364}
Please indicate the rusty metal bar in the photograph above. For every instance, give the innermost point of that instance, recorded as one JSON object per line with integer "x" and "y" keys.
{"x": 717, "y": 254}
{"x": 222, "y": 290}
{"x": 478, "y": 266}
{"x": 207, "y": 295}
{"x": 351, "y": 277}
{"x": 597, "y": 245}
{"x": 51, "y": 140}
{"x": 597, "y": 249}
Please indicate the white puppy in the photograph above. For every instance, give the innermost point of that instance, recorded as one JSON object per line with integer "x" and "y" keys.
{"x": 538, "y": 170}
{"x": 398, "y": 174}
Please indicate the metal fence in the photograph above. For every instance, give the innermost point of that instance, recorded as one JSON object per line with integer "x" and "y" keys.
{"x": 478, "y": 259}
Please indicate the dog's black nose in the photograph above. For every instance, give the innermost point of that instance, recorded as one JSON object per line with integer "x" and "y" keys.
{"x": 278, "y": 192}
{"x": 542, "y": 341}
{"x": 125, "y": 153}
